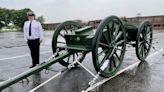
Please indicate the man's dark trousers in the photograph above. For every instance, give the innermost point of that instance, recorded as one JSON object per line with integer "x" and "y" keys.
{"x": 34, "y": 46}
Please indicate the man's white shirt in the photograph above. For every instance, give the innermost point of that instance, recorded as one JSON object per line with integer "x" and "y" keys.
{"x": 36, "y": 30}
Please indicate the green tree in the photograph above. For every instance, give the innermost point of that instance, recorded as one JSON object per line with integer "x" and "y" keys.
{"x": 5, "y": 17}
{"x": 41, "y": 19}
{"x": 16, "y": 17}
{"x": 19, "y": 16}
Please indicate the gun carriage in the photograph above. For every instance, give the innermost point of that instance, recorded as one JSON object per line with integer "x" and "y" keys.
{"x": 107, "y": 44}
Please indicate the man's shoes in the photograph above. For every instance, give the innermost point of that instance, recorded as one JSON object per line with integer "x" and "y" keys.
{"x": 32, "y": 66}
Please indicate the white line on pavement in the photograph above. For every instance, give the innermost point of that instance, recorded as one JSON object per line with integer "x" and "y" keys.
{"x": 22, "y": 56}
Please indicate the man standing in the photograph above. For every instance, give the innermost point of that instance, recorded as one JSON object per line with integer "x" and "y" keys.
{"x": 33, "y": 35}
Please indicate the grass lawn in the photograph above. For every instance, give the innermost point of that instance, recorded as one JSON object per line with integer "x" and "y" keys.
{"x": 10, "y": 31}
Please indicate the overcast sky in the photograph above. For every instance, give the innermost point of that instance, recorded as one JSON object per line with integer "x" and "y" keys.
{"x": 61, "y": 10}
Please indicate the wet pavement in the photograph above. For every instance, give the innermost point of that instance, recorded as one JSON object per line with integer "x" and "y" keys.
{"x": 15, "y": 59}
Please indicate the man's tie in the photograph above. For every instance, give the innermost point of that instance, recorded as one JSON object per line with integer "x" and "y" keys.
{"x": 30, "y": 29}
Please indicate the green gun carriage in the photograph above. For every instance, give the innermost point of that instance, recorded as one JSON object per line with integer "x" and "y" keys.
{"x": 107, "y": 43}
{"x": 71, "y": 42}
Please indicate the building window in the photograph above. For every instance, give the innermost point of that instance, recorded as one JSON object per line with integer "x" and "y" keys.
{"x": 157, "y": 25}
{"x": 163, "y": 25}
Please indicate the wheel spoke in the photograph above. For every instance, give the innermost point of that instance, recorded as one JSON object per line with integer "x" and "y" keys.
{"x": 140, "y": 46}
{"x": 141, "y": 53}
{"x": 105, "y": 38}
{"x": 118, "y": 36}
{"x": 114, "y": 62}
{"x": 141, "y": 42}
{"x": 68, "y": 59}
{"x": 148, "y": 29}
{"x": 141, "y": 36}
{"x": 61, "y": 42}
{"x": 77, "y": 54}
{"x": 105, "y": 45}
{"x": 117, "y": 56}
{"x": 103, "y": 51}
{"x": 148, "y": 43}
{"x": 65, "y": 28}
{"x": 70, "y": 27}
{"x": 144, "y": 31}
{"x": 117, "y": 30}
{"x": 120, "y": 42}
{"x": 61, "y": 35}
{"x": 140, "y": 49}
{"x": 143, "y": 50}
{"x": 118, "y": 49}
{"x": 148, "y": 38}
{"x": 146, "y": 49}
{"x": 108, "y": 29}
{"x": 103, "y": 60}
{"x": 73, "y": 57}
{"x": 149, "y": 34}
{"x": 113, "y": 25}
{"x": 110, "y": 65}
{"x": 111, "y": 31}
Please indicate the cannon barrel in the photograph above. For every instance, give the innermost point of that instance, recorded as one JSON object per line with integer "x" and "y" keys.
{"x": 31, "y": 71}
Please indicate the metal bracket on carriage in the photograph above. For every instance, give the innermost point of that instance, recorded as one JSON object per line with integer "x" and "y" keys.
{"x": 73, "y": 64}
{"x": 51, "y": 57}
{"x": 55, "y": 54}
{"x": 102, "y": 68}
{"x": 93, "y": 81}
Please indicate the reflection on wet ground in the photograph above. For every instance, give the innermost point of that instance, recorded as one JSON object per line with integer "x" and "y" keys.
{"x": 36, "y": 80}
{"x": 126, "y": 82}
{"x": 75, "y": 80}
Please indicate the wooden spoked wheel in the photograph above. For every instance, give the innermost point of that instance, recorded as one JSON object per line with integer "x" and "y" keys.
{"x": 144, "y": 40}
{"x": 109, "y": 45}
{"x": 59, "y": 42}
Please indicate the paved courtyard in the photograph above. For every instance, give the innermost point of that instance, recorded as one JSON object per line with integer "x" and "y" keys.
{"x": 15, "y": 59}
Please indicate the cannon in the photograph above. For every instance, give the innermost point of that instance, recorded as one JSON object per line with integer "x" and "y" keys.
{"x": 107, "y": 44}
